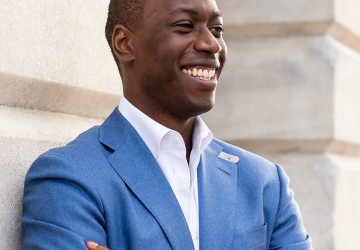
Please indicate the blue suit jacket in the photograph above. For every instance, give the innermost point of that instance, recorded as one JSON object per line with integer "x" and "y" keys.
{"x": 107, "y": 187}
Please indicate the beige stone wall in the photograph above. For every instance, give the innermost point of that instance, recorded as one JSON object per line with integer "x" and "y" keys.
{"x": 290, "y": 92}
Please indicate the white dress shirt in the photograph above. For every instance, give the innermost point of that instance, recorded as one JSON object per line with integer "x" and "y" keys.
{"x": 168, "y": 148}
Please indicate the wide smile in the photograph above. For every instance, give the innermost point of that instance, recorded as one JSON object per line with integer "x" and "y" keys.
{"x": 200, "y": 72}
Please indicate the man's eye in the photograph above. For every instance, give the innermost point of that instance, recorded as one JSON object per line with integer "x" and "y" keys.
{"x": 185, "y": 25}
{"x": 217, "y": 31}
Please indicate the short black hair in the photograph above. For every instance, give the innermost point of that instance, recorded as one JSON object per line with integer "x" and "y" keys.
{"x": 126, "y": 12}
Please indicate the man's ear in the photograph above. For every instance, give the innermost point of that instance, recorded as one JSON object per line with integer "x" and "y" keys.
{"x": 122, "y": 44}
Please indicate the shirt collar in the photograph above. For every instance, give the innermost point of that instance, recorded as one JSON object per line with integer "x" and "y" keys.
{"x": 153, "y": 132}
{"x": 202, "y": 135}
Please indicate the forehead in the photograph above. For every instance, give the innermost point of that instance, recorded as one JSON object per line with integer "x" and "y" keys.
{"x": 160, "y": 9}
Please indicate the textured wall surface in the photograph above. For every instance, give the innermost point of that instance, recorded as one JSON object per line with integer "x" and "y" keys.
{"x": 58, "y": 41}
{"x": 290, "y": 92}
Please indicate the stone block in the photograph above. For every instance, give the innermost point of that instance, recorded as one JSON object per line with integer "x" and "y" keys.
{"x": 58, "y": 41}
{"x": 257, "y": 11}
{"x": 276, "y": 88}
{"x": 24, "y": 135}
{"x": 288, "y": 88}
{"x": 37, "y": 94}
{"x": 347, "y": 95}
{"x": 347, "y": 13}
{"x": 282, "y": 12}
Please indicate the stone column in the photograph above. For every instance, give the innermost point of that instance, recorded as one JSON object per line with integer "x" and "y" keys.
{"x": 291, "y": 93}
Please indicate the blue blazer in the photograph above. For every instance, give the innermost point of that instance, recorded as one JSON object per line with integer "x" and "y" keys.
{"x": 106, "y": 186}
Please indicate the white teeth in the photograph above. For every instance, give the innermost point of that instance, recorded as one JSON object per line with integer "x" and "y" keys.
{"x": 205, "y": 73}
{"x": 212, "y": 73}
{"x": 204, "y": 78}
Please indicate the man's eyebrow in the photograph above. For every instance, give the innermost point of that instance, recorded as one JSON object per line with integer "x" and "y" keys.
{"x": 184, "y": 9}
{"x": 216, "y": 14}
{"x": 194, "y": 11}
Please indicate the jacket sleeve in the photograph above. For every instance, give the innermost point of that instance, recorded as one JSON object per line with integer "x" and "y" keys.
{"x": 60, "y": 208}
{"x": 289, "y": 232}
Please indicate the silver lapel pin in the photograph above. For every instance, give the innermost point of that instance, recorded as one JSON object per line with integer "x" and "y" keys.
{"x": 228, "y": 157}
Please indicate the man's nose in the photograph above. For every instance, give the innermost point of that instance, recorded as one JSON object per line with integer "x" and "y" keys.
{"x": 206, "y": 41}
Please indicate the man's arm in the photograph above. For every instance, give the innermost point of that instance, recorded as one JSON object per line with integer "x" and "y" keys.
{"x": 289, "y": 232}
{"x": 61, "y": 210}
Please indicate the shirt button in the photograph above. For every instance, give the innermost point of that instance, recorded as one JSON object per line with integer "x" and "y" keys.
{"x": 195, "y": 235}
{"x": 175, "y": 140}
{"x": 181, "y": 181}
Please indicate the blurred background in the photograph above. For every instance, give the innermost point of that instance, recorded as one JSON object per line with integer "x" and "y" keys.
{"x": 290, "y": 92}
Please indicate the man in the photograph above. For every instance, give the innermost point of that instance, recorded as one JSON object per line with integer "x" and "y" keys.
{"x": 152, "y": 176}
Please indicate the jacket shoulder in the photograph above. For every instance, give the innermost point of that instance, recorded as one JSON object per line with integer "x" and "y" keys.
{"x": 84, "y": 144}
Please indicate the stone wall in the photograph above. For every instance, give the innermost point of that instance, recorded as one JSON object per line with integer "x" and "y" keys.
{"x": 290, "y": 92}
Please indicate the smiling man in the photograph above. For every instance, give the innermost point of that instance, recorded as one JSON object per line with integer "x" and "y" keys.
{"x": 152, "y": 176}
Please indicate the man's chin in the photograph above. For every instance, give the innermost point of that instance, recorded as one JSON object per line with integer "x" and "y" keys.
{"x": 204, "y": 108}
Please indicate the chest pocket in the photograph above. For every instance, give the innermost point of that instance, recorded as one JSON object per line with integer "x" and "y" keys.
{"x": 251, "y": 240}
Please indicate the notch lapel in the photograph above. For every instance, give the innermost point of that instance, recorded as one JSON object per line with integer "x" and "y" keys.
{"x": 217, "y": 180}
{"x": 136, "y": 166}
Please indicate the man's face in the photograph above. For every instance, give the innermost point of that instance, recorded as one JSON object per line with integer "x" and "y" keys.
{"x": 179, "y": 54}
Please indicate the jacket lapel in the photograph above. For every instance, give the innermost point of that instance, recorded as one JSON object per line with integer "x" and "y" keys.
{"x": 217, "y": 179}
{"x": 136, "y": 166}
